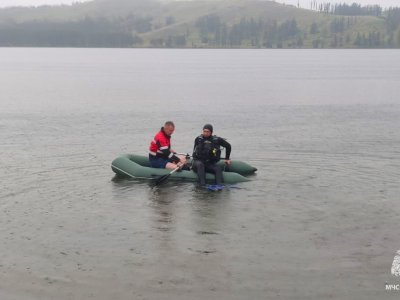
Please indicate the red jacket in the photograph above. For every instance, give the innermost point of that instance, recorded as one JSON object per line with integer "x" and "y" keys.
{"x": 160, "y": 146}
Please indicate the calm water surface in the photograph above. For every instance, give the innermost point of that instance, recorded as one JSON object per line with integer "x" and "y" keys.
{"x": 318, "y": 221}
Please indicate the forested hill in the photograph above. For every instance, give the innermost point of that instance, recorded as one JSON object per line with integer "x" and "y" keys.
{"x": 200, "y": 24}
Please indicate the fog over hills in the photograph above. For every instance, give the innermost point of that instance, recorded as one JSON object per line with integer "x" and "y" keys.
{"x": 201, "y": 24}
{"x": 307, "y": 3}
{"x": 10, "y": 3}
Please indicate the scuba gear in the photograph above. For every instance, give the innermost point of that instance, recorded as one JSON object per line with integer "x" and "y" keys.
{"x": 207, "y": 153}
{"x": 208, "y": 149}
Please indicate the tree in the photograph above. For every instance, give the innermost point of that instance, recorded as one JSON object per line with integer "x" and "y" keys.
{"x": 314, "y": 28}
{"x": 393, "y": 19}
{"x": 396, "y": 38}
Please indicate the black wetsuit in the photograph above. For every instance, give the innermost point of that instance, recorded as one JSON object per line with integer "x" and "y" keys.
{"x": 206, "y": 154}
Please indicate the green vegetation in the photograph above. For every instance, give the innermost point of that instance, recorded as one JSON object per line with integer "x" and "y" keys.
{"x": 200, "y": 24}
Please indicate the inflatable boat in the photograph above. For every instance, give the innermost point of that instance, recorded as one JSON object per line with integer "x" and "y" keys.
{"x": 138, "y": 166}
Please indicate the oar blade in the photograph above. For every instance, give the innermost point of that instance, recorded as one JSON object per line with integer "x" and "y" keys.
{"x": 165, "y": 177}
{"x": 162, "y": 179}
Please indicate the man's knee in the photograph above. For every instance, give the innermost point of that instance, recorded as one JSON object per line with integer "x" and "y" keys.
{"x": 198, "y": 164}
{"x": 216, "y": 168}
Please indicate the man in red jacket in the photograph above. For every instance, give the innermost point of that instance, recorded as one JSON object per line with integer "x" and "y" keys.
{"x": 160, "y": 153}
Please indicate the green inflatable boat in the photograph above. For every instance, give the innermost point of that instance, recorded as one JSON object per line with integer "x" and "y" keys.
{"x": 138, "y": 166}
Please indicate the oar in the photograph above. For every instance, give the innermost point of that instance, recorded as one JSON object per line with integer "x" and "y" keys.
{"x": 187, "y": 155}
{"x": 165, "y": 177}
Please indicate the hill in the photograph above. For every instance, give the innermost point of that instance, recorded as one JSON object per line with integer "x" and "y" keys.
{"x": 199, "y": 24}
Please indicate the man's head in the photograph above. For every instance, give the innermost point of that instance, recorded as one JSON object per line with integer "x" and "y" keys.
{"x": 207, "y": 130}
{"x": 169, "y": 127}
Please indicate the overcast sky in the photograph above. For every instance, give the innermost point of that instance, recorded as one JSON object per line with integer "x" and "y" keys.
{"x": 303, "y": 3}
{"x": 6, "y": 3}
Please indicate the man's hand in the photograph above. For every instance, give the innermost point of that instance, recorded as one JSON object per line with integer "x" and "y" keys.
{"x": 227, "y": 162}
{"x": 182, "y": 159}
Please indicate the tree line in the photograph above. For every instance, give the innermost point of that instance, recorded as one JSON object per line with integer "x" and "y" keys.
{"x": 347, "y": 9}
{"x": 391, "y": 15}
{"x": 288, "y": 34}
{"x": 83, "y": 33}
{"x": 206, "y": 31}
{"x": 393, "y": 19}
{"x": 251, "y": 32}
{"x": 86, "y": 32}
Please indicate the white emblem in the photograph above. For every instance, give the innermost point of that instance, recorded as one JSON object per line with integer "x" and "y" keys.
{"x": 396, "y": 265}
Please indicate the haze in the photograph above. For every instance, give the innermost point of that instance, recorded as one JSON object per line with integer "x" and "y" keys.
{"x": 9, "y": 3}
{"x": 303, "y": 3}
{"x": 306, "y": 3}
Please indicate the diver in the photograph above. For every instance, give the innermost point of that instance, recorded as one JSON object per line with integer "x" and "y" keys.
{"x": 207, "y": 153}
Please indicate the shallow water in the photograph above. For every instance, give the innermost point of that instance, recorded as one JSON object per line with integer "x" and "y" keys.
{"x": 319, "y": 220}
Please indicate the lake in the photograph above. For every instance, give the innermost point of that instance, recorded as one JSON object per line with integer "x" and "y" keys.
{"x": 319, "y": 220}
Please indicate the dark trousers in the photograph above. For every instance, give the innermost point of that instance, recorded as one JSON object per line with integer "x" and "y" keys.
{"x": 201, "y": 168}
